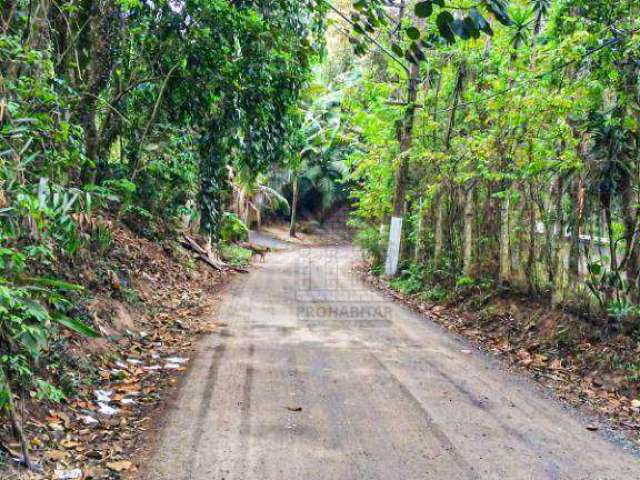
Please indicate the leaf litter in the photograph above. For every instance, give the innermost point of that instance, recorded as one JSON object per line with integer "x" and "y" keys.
{"x": 596, "y": 371}
{"x": 147, "y": 342}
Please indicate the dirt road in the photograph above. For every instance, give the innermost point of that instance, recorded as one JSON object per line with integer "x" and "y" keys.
{"x": 315, "y": 377}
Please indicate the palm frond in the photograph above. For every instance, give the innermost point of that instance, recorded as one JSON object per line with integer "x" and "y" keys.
{"x": 276, "y": 199}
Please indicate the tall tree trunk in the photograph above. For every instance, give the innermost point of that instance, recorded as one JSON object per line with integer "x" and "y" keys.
{"x": 632, "y": 258}
{"x": 505, "y": 239}
{"x": 532, "y": 220}
{"x": 439, "y": 229}
{"x": 576, "y": 227}
{"x": 613, "y": 251}
{"x": 467, "y": 245}
{"x": 419, "y": 246}
{"x": 455, "y": 99}
{"x": 38, "y": 38}
{"x": 294, "y": 206}
{"x": 441, "y": 198}
{"x": 104, "y": 28}
{"x": 561, "y": 277}
{"x": 520, "y": 250}
{"x": 395, "y": 229}
{"x": 562, "y": 250}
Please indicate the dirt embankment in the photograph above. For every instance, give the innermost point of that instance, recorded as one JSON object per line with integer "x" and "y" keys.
{"x": 150, "y": 301}
{"x": 585, "y": 365}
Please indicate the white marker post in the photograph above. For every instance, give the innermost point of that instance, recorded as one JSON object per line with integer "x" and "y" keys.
{"x": 393, "y": 250}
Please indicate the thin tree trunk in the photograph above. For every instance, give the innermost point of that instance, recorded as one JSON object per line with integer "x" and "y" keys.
{"x": 576, "y": 227}
{"x": 530, "y": 271}
{"x": 15, "y": 422}
{"x": 395, "y": 230}
{"x": 631, "y": 260}
{"x": 135, "y": 168}
{"x": 505, "y": 237}
{"x": 462, "y": 74}
{"x": 419, "y": 246}
{"x": 520, "y": 249}
{"x": 294, "y": 206}
{"x": 39, "y": 32}
{"x": 103, "y": 36}
{"x": 613, "y": 254}
{"x": 439, "y": 241}
{"x": 467, "y": 254}
{"x": 561, "y": 278}
{"x": 441, "y": 199}
{"x": 436, "y": 104}
{"x": 561, "y": 251}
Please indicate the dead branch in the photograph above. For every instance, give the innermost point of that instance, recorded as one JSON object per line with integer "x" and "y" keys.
{"x": 206, "y": 256}
{"x": 16, "y": 426}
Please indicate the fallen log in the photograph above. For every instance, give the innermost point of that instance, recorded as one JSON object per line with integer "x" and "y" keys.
{"x": 207, "y": 256}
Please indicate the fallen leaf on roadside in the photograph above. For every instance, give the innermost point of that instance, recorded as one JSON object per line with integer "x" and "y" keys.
{"x": 120, "y": 466}
{"x": 103, "y": 395}
{"x": 524, "y": 357}
{"x": 55, "y": 455}
{"x": 88, "y": 420}
{"x": 178, "y": 360}
{"x": 556, "y": 364}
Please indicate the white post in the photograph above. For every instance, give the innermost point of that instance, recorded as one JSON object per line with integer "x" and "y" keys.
{"x": 393, "y": 250}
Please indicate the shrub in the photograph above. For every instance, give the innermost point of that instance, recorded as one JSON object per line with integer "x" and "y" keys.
{"x": 373, "y": 245}
{"x": 233, "y": 229}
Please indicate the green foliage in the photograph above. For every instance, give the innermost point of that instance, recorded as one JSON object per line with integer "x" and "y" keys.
{"x": 464, "y": 282}
{"x": 39, "y": 228}
{"x": 373, "y": 244}
{"x": 410, "y": 281}
{"x": 319, "y": 146}
{"x": 435, "y": 293}
{"x": 235, "y": 255}
{"x": 46, "y": 391}
{"x": 369, "y": 16}
{"x": 233, "y": 229}
{"x": 31, "y": 309}
{"x": 101, "y": 239}
{"x": 523, "y": 147}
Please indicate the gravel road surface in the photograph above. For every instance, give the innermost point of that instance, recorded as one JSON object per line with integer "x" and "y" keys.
{"x": 315, "y": 377}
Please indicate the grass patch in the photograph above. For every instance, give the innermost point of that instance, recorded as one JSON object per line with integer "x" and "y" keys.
{"x": 235, "y": 255}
